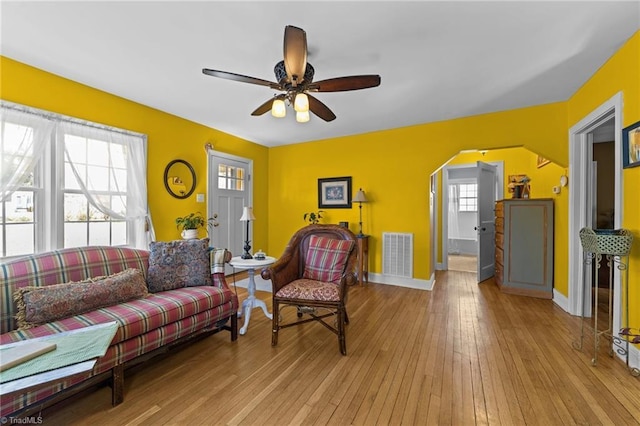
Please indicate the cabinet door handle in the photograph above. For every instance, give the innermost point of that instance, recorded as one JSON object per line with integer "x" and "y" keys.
{"x": 475, "y": 228}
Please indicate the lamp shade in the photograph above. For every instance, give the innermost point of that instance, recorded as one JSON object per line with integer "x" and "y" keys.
{"x": 278, "y": 108}
{"x": 360, "y": 197}
{"x": 247, "y": 214}
{"x": 302, "y": 117}
{"x": 301, "y": 103}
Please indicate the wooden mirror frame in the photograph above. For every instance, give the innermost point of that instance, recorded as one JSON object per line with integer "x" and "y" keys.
{"x": 166, "y": 179}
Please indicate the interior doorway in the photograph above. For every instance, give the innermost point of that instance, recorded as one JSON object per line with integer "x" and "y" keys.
{"x": 460, "y": 245}
{"x": 583, "y": 200}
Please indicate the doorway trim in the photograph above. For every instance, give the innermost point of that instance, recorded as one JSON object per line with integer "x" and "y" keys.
{"x": 580, "y": 156}
{"x": 212, "y": 179}
{"x": 444, "y": 208}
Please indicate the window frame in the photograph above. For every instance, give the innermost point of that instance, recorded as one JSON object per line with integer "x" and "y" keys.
{"x": 467, "y": 208}
{"x": 49, "y": 189}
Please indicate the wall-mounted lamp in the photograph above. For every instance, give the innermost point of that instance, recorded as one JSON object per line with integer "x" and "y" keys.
{"x": 360, "y": 198}
{"x": 247, "y": 216}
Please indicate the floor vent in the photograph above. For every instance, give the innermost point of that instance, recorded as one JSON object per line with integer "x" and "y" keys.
{"x": 397, "y": 254}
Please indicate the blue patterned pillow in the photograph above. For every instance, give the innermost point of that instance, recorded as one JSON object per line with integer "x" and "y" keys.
{"x": 177, "y": 264}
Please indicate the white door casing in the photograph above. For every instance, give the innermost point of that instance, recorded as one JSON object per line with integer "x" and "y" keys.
{"x": 499, "y": 188}
{"x": 580, "y": 201}
{"x": 229, "y": 189}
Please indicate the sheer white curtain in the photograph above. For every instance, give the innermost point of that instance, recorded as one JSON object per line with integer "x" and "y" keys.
{"x": 133, "y": 183}
{"x": 25, "y": 137}
{"x": 454, "y": 223}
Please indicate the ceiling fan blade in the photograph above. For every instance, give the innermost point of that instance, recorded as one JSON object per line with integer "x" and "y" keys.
{"x": 265, "y": 107}
{"x": 320, "y": 109}
{"x": 241, "y": 78}
{"x": 295, "y": 53}
{"x": 342, "y": 84}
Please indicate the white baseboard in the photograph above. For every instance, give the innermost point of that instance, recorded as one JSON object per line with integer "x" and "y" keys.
{"x": 561, "y": 300}
{"x": 440, "y": 266}
{"x": 634, "y": 357}
{"x": 403, "y": 282}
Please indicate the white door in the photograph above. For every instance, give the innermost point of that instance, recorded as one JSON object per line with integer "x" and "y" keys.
{"x": 486, "y": 220}
{"x": 229, "y": 190}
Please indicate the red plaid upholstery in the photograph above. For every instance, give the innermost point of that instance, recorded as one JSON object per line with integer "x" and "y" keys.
{"x": 326, "y": 258}
{"x": 62, "y": 266}
{"x": 144, "y": 324}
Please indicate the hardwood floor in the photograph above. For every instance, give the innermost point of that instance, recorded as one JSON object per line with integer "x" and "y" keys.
{"x": 462, "y": 354}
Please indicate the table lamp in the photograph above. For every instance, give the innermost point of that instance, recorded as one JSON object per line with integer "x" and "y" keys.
{"x": 360, "y": 198}
{"x": 247, "y": 216}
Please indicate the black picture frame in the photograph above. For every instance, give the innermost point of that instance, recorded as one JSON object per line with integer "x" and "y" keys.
{"x": 631, "y": 146}
{"x": 334, "y": 193}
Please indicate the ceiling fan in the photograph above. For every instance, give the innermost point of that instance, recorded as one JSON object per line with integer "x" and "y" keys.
{"x": 294, "y": 77}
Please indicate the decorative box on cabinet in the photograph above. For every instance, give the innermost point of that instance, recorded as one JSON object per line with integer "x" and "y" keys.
{"x": 524, "y": 247}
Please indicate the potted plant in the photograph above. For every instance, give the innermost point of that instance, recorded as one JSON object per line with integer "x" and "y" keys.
{"x": 313, "y": 217}
{"x": 192, "y": 222}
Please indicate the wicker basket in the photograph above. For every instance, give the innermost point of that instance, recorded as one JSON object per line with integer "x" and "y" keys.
{"x": 616, "y": 242}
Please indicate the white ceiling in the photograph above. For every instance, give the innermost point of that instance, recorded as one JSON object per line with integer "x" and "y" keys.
{"x": 437, "y": 60}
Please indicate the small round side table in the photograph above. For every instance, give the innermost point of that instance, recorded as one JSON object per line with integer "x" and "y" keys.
{"x": 250, "y": 265}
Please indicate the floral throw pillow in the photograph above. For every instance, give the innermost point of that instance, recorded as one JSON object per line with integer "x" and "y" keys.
{"x": 39, "y": 305}
{"x": 326, "y": 259}
{"x": 177, "y": 264}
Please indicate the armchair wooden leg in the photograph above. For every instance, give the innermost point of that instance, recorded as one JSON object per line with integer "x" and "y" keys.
{"x": 341, "y": 336}
{"x": 275, "y": 323}
{"x": 346, "y": 317}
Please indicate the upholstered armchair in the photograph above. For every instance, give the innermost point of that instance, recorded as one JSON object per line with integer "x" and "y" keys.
{"x": 313, "y": 274}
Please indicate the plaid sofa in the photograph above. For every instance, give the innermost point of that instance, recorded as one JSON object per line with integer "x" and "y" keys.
{"x": 144, "y": 325}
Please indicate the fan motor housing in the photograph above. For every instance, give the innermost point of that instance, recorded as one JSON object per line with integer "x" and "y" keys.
{"x": 281, "y": 73}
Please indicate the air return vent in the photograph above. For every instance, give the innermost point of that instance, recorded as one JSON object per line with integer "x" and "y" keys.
{"x": 397, "y": 254}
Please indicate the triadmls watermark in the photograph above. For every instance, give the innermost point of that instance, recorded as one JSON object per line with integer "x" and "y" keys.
{"x": 26, "y": 420}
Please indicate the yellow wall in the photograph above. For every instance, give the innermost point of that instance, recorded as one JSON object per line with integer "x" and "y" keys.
{"x": 393, "y": 167}
{"x": 621, "y": 73}
{"x": 169, "y": 137}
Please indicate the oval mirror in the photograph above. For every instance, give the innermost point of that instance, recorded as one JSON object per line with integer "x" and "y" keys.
{"x": 179, "y": 179}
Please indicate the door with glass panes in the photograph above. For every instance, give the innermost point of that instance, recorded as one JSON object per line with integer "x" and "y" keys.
{"x": 229, "y": 190}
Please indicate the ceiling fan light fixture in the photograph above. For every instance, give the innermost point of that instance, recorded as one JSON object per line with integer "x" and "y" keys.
{"x": 301, "y": 103}
{"x": 302, "y": 116}
{"x": 278, "y": 108}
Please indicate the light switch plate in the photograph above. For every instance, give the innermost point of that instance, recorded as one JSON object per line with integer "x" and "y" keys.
{"x": 199, "y": 198}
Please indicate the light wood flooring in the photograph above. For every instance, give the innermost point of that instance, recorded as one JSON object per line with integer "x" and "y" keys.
{"x": 462, "y": 354}
{"x": 466, "y": 263}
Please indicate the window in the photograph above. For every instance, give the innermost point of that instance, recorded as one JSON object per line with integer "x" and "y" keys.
{"x": 468, "y": 197}
{"x": 230, "y": 177}
{"x": 69, "y": 183}
{"x": 103, "y": 165}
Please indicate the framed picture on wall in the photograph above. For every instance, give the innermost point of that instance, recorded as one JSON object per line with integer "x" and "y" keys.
{"x": 631, "y": 146}
{"x": 334, "y": 193}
